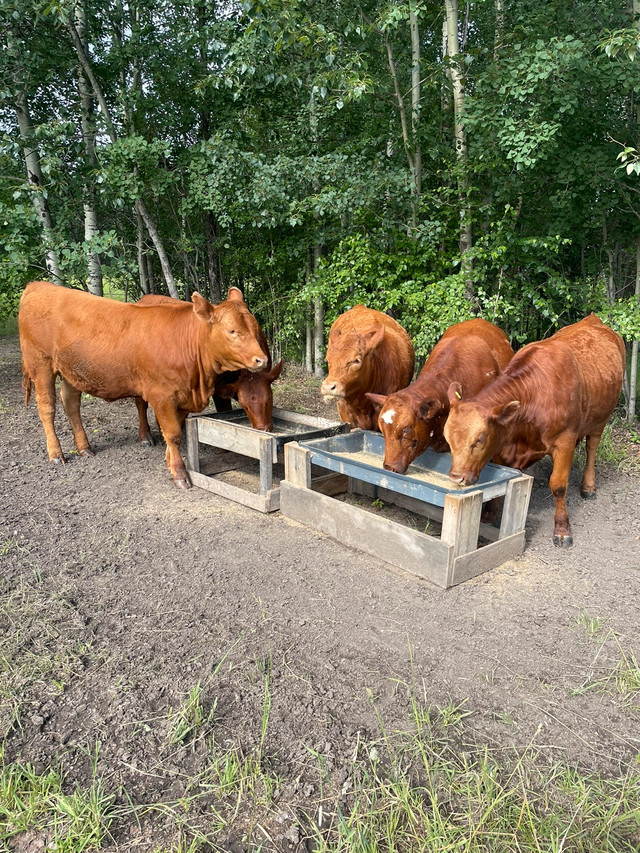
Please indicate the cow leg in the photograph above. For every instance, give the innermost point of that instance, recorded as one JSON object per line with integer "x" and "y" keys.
{"x": 588, "y": 486}
{"x": 44, "y": 381}
{"x": 222, "y": 404}
{"x": 562, "y": 459}
{"x": 70, "y": 397}
{"x": 144, "y": 430}
{"x": 170, "y": 421}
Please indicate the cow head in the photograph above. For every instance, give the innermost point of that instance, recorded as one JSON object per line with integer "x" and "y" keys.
{"x": 475, "y": 433}
{"x": 231, "y": 334}
{"x": 253, "y": 392}
{"x": 349, "y": 360}
{"x": 408, "y": 427}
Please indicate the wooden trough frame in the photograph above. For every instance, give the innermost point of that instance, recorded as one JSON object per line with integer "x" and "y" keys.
{"x": 447, "y": 561}
{"x": 232, "y": 431}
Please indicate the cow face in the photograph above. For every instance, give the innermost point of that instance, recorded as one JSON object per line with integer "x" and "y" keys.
{"x": 253, "y": 392}
{"x": 348, "y": 360}
{"x": 475, "y": 434}
{"x": 231, "y": 332}
{"x": 408, "y": 428}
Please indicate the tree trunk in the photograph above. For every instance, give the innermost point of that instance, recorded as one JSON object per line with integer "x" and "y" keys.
{"x": 140, "y": 206}
{"x": 633, "y": 367}
{"x": 91, "y": 229}
{"x": 36, "y": 185}
{"x": 213, "y": 259}
{"x": 142, "y": 261}
{"x": 415, "y": 110}
{"x": 460, "y": 139}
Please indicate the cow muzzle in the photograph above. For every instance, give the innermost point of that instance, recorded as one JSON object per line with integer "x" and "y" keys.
{"x": 395, "y": 467}
{"x": 257, "y": 363}
{"x": 463, "y": 479}
{"x": 330, "y": 389}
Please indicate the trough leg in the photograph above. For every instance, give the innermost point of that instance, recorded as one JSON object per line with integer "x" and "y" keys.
{"x": 70, "y": 397}
{"x": 461, "y": 522}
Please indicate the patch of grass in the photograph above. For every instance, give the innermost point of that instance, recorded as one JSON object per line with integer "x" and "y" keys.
{"x": 190, "y": 717}
{"x": 434, "y": 789}
{"x": 618, "y": 447}
{"x": 35, "y": 807}
{"x": 614, "y": 670}
{"x": 592, "y": 625}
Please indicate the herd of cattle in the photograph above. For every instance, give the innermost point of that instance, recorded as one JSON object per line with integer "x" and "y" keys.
{"x": 473, "y": 397}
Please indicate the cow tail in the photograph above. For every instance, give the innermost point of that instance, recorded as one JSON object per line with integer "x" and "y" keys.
{"x": 26, "y": 384}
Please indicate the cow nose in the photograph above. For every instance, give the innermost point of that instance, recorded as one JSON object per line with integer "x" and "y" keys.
{"x": 395, "y": 467}
{"x": 462, "y": 479}
{"x": 328, "y": 387}
{"x": 258, "y": 362}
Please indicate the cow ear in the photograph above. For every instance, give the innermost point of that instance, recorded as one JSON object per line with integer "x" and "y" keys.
{"x": 275, "y": 371}
{"x": 505, "y": 412}
{"x": 227, "y": 391}
{"x": 203, "y": 309}
{"x": 235, "y": 295}
{"x": 378, "y": 400}
{"x": 373, "y": 337}
{"x": 454, "y": 393}
{"x": 429, "y": 409}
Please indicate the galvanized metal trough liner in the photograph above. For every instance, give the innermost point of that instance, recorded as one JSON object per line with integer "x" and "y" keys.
{"x": 425, "y": 489}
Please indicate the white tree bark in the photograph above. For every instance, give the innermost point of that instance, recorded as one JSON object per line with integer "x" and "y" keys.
{"x": 37, "y": 184}
{"x": 460, "y": 137}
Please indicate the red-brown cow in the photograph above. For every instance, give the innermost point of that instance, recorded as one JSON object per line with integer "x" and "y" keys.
{"x": 368, "y": 352}
{"x": 251, "y": 389}
{"x": 552, "y": 394}
{"x": 168, "y": 355}
{"x": 473, "y": 352}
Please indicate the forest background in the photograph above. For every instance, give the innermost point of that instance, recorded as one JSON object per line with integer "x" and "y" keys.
{"x": 430, "y": 159}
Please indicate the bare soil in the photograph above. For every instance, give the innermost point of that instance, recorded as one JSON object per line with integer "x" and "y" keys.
{"x": 127, "y": 593}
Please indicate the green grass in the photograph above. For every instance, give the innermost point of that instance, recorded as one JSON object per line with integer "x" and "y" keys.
{"x": 615, "y": 668}
{"x": 37, "y": 805}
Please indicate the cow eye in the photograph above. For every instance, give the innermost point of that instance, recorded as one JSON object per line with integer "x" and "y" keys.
{"x": 479, "y": 442}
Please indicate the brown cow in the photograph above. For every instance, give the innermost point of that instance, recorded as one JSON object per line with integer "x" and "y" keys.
{"x": 473, "y": 352}
{"x": 168, "y": 355}
{"x": 552, "y": 394}
{"x": 368, "y": 352}
{"x": 251, "y": 389}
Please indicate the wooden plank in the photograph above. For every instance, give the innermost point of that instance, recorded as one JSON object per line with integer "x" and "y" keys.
{"x": 266, "y": 465}
{"x": 386, "y": 540}
{"x": 229, "y": 436}
{"x": 193, "y": 451}
{"x": 516, "y": 505}
{"x": 461, "y": 521}
{"x": 309, "y": 420}
{"x": 490, "y": 556}
{"x": 297, "y": 465}
{"x": 263, "y": 503}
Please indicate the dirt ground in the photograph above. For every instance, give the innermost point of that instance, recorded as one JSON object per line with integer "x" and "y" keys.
{"x": 128, "y": 593}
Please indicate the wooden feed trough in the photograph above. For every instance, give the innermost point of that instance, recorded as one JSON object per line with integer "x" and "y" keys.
{"x": 425, "y": 490}
{"x": 238, "y": 477}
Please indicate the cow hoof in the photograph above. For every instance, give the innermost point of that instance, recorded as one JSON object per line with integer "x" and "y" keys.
{"x": 588, "y": 496}
{"x": 183, "y": 484}
{"x": 147, "y": 442}
{"x": 87, "y": 453}
{"x": 58, "y": 460}
{"x": 562, "y": 541}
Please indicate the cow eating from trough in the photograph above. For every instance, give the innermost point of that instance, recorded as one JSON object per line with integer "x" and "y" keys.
{"x": 168, "y": 355}
{"x": 368, "y": 352}
{"x": 252, "y": 389}
{"x": 552, "y": 394}
{"x": 411, "y": 420}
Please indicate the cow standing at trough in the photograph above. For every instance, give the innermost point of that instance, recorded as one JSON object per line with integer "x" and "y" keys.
{"x": 251, "y": 389}
{"x": 368, "y": 352}
{"x": 411, "y": 420}
{"x": 552, "y": 394}
{"x": 168, "y": 355}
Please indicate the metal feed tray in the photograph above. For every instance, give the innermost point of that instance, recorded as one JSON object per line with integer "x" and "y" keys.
{"x": 360, "y": 455}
